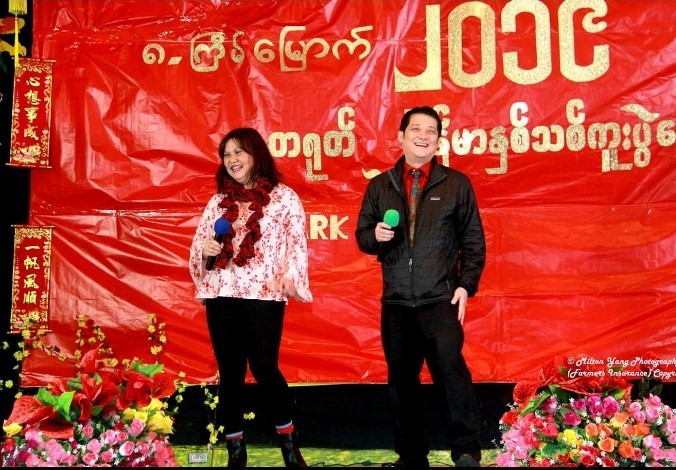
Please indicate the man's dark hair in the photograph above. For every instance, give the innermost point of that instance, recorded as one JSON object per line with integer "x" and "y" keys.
{"x": 420, "y": 110}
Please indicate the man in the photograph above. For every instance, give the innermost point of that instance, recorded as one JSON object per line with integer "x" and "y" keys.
{"x": 430, "y": 266}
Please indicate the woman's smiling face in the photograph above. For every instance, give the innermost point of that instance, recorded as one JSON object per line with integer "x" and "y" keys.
{"x": 237, "y": 162}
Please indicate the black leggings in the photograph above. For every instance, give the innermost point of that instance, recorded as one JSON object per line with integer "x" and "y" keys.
{"x": 245, "y": 330}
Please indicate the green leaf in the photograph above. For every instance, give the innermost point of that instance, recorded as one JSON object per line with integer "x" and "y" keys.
{"x": 552, "y": 450}
{"x": 148, "y": 369}
{"x": 46, "y": 397}
{"x": 535, "y": 403}
{"x": 63, "y": 403}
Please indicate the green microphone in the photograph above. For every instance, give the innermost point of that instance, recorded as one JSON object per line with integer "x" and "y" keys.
{"x": 391, "y": 217}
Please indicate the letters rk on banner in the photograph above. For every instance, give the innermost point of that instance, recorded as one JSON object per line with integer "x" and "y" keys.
{"x": 30, "y": 285}
{"x": 31, "y": 113}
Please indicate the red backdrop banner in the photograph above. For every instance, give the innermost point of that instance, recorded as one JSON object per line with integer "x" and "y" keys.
{"x": 562, "y": 113}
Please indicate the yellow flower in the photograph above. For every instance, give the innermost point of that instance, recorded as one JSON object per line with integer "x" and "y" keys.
{"x": 570, "y": 437}
{"x": 155, "y": 405}
{"x": 129, "y": 414}
{"x": 12, "y": 429}
{"x": 160, "y": 423}
{"x": 9, "y": 383}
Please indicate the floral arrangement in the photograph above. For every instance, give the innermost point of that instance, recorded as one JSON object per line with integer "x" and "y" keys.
{"x": 586, "y": 417}
{"x": 111, "y": 413}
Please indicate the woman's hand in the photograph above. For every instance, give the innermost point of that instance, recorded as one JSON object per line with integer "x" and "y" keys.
{"x": 289, "y": 288}
{"x": 211, "y": 248}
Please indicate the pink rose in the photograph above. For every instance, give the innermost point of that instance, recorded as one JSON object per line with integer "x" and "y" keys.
{"x": 109, "y": 437}
{"x": 652, "y": 442}
{"x": 571, "y": 419}
{"x": 549, "y": 405}
{"x": 652, "y": 413}
{"x": 107, "y": 456}
{"x": 88, "y": 431}
{"x": 94, "y": 446}
{"x": 90, "y": 458}
{"x": 54, "y": 450}
{"x": 137, "y": 427}
{"x": 127, "y": 449}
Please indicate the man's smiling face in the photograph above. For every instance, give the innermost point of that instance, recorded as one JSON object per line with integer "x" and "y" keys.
{"x": 420, "y": 140}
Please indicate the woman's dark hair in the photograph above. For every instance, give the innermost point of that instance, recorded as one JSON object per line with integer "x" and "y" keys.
{"x": 429, "y": 111}
{"x": 251, "y": 142}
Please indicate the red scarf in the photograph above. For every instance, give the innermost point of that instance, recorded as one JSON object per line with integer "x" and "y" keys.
{"x": 259, "y": 197}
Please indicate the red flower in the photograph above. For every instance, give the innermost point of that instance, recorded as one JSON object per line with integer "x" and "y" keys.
{"x": 137, "y": 390}
{"x": 524, "y": 391}
{"x": 162, "y": 385}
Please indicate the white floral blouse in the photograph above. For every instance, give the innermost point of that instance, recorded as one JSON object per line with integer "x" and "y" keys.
{"x": 281, "y": 252}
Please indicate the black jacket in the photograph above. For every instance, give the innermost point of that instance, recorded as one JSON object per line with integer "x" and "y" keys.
{"x": 450, "y": 247}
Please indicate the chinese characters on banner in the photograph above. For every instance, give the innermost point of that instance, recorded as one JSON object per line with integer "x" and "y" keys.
{"x": 31, "y": 114}
{"x": 30, "y": 284}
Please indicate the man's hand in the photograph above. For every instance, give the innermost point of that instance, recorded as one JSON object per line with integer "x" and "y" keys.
{"x": 384, "y": 232}
{"x": 460, "y": 297}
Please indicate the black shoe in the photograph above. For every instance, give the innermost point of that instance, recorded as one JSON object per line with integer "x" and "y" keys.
{"x": 398, "y": 464}
{"x": 290, "y": 451}
{"x": 467, "y": 460}
{"x": 236, "y": 453}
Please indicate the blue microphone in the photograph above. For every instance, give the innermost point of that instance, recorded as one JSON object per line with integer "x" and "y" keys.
{"x": 221, "y": 227}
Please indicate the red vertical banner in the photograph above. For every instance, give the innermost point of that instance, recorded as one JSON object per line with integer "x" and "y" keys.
{"x": 30, "y": 280}
{"x": 31, "y": 114}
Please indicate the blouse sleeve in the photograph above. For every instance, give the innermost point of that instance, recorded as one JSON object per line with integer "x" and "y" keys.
{"x": 296, "y": 263}
{"x": 205, "y": 230}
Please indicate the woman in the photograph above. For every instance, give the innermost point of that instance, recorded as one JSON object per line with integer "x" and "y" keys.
{"x": 258, "y": 264}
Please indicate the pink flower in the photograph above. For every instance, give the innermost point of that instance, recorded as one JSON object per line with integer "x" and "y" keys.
{"x": 88, "y": 430}
{"x": 94, "y": 446}
{"x": 127, "y": 449}
{"x": 580, "y": 404}
{"x": 549, "y": 405}
{"x": 55, "y": 451}
{"x": 652, "y": 442}
{"x": 90, "y": 458}
{"x": 639, "y": 416}
{"x": 634, "y": 407}
{"x": 652, "y": 413}
{"x": 107, "y": 456}
{"x": 137, "y": 427}
{"x": 610, "y": 407}
{"x": 109, "y": 437}
{"x": 505, "y": 460}
{"x": 571, "y": 419}
{"x": 142, "y": 447}
{"x": 654, "y": 400}
{"x": 595, "y": 405}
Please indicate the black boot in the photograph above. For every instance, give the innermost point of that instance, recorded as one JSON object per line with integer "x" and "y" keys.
{"x": 236, "y": 453}
{"x": 290, "y": 451}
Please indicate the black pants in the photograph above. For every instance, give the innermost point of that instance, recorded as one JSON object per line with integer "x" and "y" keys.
{"x": 248, "y": 331}
{"x": 430, "y": 333}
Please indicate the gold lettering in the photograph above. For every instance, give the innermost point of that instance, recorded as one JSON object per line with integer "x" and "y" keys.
{"x": 601, "y": 62}
{"x": 430, "y": 79}
{"x": 455, "y": 46}
{"x": 542, "y": 43}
